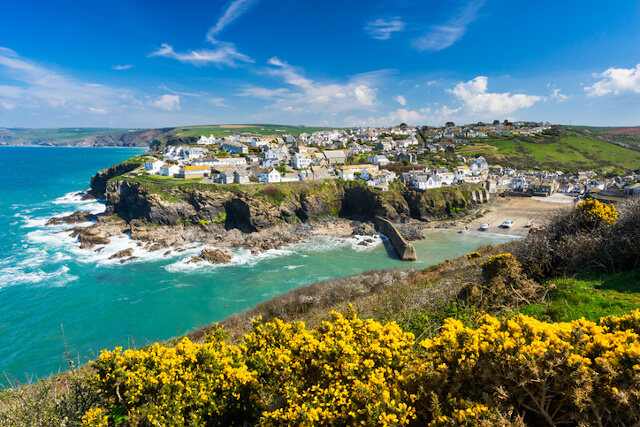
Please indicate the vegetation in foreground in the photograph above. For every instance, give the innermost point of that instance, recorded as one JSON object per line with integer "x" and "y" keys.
{"x": 449, "y": 345}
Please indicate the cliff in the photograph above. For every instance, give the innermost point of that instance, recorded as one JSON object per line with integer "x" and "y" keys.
{"x": 252, "y": 208}
{"x": 100, "y": 179}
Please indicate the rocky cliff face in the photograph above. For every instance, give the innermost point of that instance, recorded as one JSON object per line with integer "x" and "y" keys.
{"x": 266, "y": 206}
{"x": 100, "y": 179}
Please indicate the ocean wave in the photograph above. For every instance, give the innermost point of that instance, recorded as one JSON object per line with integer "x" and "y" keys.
{"x": 14, "y": 276}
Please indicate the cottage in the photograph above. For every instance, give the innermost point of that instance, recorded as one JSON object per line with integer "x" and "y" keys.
{"x": 241, "y": 177}
{"x": 194, "y": 172}
{"x": 169, "y": 170}
{"x": 301, "y": 161}
{"x": 335, "y": 157}
{"x": 153, "y": 166}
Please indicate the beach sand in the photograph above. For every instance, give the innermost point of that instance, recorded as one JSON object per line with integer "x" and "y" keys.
{"x": 520, "y": 210}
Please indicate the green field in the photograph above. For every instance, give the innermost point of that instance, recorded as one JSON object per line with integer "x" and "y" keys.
{"x": 571, "y": 150}
{"x": 258, "y": 129}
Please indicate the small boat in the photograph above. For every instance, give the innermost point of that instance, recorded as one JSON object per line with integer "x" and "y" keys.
{"x": 485, "y": 226}
{"x": 507, "y": 224}
{"x": 528, "y": 224}
{"x": 464, "y": 229}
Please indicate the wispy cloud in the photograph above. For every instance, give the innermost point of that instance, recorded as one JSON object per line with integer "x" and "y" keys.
{"x": 559, "y": 97}
{"x": 226, "y": 54}
{"x": 122, "y": 67}
{"x": 235, "y": 9}
{"x": 400, "y": 100}
{"x": 478, "y": 102}
{"x": 359, "y": 92}
{"x": 383, "y": 29}
{"x": 35, "y": 86}
{"x": 616, "y": 81}
{"x": 442, "y": 36}
{"x": 166, "y": 103}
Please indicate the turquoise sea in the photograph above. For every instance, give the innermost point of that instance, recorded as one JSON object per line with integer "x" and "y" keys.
{"x": 47, "y": 283}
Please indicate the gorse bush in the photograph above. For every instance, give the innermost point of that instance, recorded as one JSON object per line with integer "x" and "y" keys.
{"x": 592, "y": 237}
{"x": 595, "y": 212}
{"x": 348, "y": 371}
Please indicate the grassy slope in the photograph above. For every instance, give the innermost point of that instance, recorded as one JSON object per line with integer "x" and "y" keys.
{"x": 573, "y": 151}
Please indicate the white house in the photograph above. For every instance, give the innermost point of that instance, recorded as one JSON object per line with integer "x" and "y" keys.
{"x": 426, "y": 182}
{"x": 169, "y": 170}
{"x": 153, "y": 166}
{"x": 301, "y": 161}
{"x": 378, "y": 159}
{"x": 271, "y": 176}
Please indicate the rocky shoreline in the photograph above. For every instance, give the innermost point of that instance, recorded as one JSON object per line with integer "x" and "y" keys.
{"x": 153, "y": 238}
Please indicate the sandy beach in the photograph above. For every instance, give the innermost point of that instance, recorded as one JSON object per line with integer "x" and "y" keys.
{"x": 520, "y": 210}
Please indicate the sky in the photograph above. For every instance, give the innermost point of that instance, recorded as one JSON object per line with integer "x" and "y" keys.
{"x": 140, "y": 64}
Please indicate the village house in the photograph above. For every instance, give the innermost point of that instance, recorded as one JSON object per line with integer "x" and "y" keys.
{"x": 426, "y": 182}
{"x": 169, "y": 170}
{"x": 194, "y": 172}
{"x": 335, "y": 157}
{"x": 235, "y": 148}
{"x": 153, "y": 166}
{"x": 378, "y": 159}
{"x": 301, "y": 161}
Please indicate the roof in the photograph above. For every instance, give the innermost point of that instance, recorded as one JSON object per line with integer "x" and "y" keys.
{"x": 197, "y": 168}
{"x": 334, "y": 154}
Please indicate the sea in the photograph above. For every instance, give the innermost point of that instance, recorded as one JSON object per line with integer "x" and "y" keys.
{"x": 60, "y": 302}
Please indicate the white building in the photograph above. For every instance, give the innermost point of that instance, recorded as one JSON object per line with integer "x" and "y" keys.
{"x": 378, "y": 159}
{"x": 301, "y": 161}
{"x": 169, "y": 170}
{"x": 153, "y": 166}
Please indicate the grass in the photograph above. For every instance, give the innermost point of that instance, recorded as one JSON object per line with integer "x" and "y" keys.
{"x": 589, "y": 297}
{"x": 257, "y": 129}
{"x": 573, "y": 151}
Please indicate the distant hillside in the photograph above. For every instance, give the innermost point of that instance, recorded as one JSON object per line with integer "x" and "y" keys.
{"x": 110, "y": 137}
{"x": 80, "y": 137}
{"x": 560, "y": 148}
{"x": 632, "y": 131}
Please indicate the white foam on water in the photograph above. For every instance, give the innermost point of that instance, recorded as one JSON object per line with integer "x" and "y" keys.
{"x": 293, "y": 267}
{"x": 69, "y": 198}
{"x": 14, "y": 276}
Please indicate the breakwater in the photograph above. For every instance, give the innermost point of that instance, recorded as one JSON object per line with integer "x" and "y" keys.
{"x": 403, "y": 248}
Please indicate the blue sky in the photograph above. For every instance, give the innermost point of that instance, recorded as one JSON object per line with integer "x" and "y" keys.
{"x": 121, "y": 63}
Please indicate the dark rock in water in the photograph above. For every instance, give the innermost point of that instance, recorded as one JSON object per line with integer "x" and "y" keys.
{"x": 195, "y": 259}
{"x": 131, "y": 258}
{"x": 167, "y": 253}
{"x": 74, "y": 218}
{"x": 216, "y": 256}
{"x": 123, "y": 253}
{"x": 363, "y": 243}
{"x": 155, "y": 247}
{"x": 87, "y": 196}
{"x": 98, "y": 250}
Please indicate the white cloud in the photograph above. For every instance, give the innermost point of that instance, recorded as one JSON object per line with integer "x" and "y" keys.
{"x": 400, "y": 100}
{"x": 317, "y": 97}
{"x": 616, "y": 81}
{"x": 122, "y": 67}
{"x": 218, "y": 102}
{"x": 559, "y": 97}
{"x": 477, "y": 101}
{"x": 234, "y": 11}
{"x": 97, "y": 110}
{"x": 166, "y": 102}
{"x": 263, "y": 93}
{"x": 442, "y": 36}
{"x": 7, "y": 106}
{"x": 226, "y": 54}
{"x": 365, "y": 95}
{"x": 382, "y": 29}
{"x": 35, "y": 86}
